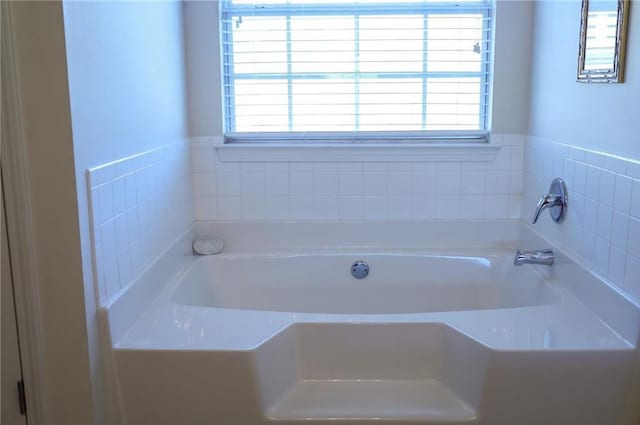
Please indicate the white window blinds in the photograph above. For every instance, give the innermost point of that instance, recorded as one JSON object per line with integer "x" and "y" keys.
{"x": 335, "y": 69}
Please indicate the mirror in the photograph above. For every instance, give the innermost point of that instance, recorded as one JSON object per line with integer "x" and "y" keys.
{"x": 602, "y": 40}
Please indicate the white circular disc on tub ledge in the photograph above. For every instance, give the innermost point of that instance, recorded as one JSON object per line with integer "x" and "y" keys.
{"x": 208, "y": 245}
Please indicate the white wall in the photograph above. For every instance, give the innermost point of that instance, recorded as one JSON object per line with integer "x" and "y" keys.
{"x": 511, "y": 87}
{"x": 44, "y": 93}
{"x": 127, "y": 93}
{"x": 602, "y": 117}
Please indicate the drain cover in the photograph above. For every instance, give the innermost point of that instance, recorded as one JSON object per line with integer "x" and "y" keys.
{"x": 360, "y": 269}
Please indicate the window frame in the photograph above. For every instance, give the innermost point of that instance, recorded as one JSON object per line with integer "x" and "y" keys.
{"x": 484, "y": 7}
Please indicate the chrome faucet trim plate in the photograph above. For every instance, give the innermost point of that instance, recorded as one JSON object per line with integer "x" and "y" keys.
{"x": 556, "y": 201}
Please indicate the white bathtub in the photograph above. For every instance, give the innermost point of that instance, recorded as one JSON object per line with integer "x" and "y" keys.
{"x": 398, "y": 282}
{"x": 443, "y": 330}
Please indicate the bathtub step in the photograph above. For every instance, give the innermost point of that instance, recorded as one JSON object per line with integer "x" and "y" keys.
{"x": 424, "y": 400}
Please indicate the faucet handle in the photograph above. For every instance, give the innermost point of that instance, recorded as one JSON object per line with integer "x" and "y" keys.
{"x": 555, "y": 201}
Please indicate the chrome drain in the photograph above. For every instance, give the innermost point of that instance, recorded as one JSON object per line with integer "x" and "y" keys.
{"x": 360, "y": 269}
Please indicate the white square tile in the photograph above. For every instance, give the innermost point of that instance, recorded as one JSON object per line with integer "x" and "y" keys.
{"x": 399, "y": 183}
{"x": 301, "y": 184}
{"x": 575, "y": 213}
{"x": 229, "y": 208}
{"x": 228, "y": 184}
{"x": 375, "y": 183}
{"x": 588, "y": 250}
{"x": 633, "y": 243}
{"x": 302, "y": 207}
{"x": 516, "y": 182}
{"x": 590, "y": 214}
{"x": 517, "y": 158}
{"x": 617, "y": 260}
{"x": 635, "y": 199}
{"x": 423, "y": 182}
{"x": 350, "y": 207}
{"x": 473, "y": 182}
{"x": 122, "y": 234}
{"x": 631, "y": 274}
{"x": 132, "y": 225}
{"x": 472, "y": 206}
{"x": 277, "y": 207}
{"x": 374, "y": 207}
{"x": 448, "y": 206}
{"x": 105, "y": 203}
{"x": 620, "y": 230}
{"x": 593, "y": 183}
{"x": 622, "y": 196}
{"x": 496, "y": 206}
{"x": 204, "y": 184}
{"x": 503, "y": 159}
{"x": 515, "y": 206}
{"x": 327, "y": 207}
{"x": 449, "y": 182}
{"x": 119, "y": 196}
{"x": 568, "y": 169}
{"x": 253, "y": 184}
{"x": 398, "y": 207}
{"x": 423, "y": 206}
{"x": 607, "y": 187}
{"x": 277, "y": 183}
{"x": 497, "y": 182}
{"x": 124, "y": 268}
{"x": 130, "y": 188}
{"x": 603, "y": 226}
{"x": 137, "y": 261}
{"x": 350, "y": 184}
{"x": 579, "y": 183}
{"x": 602, "y": 254}
{"x": 206, "y": 208}
{"x": 326, "y": 183}
{"x": 108, "y": 239}
{"x": 253, "y": 208}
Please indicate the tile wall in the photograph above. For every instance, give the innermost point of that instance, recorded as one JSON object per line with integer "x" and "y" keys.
{"x": 138, "y": 207}
{"x": 602, "y": 227}
{"x": 358, "y": 190}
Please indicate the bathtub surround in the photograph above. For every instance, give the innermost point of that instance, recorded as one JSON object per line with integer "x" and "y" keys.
{"x": 451, "y": 366}
{"x": 139, "y": 206}
{"x": 602, "y": 227}
{"x": 358, "y": 190}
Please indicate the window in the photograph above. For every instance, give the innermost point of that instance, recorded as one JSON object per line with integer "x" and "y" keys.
{"x": 369, "y": 69}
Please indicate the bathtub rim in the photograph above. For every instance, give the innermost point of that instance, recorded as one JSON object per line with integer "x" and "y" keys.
{"x": 614, "y": 308}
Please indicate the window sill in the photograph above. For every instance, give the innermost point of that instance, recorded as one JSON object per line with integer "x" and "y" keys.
{"x": 381, "y": 152}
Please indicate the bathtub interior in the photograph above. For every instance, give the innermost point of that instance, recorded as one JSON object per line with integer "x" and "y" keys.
{"x": 478, "y": 349}
{"x": 412, "y": 281}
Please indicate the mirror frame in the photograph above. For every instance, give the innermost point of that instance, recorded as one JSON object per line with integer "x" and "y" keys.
{"x": 615, "y": 75}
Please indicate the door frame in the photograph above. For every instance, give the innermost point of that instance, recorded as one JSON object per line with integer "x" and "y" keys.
{"x": 19, "y": 229}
